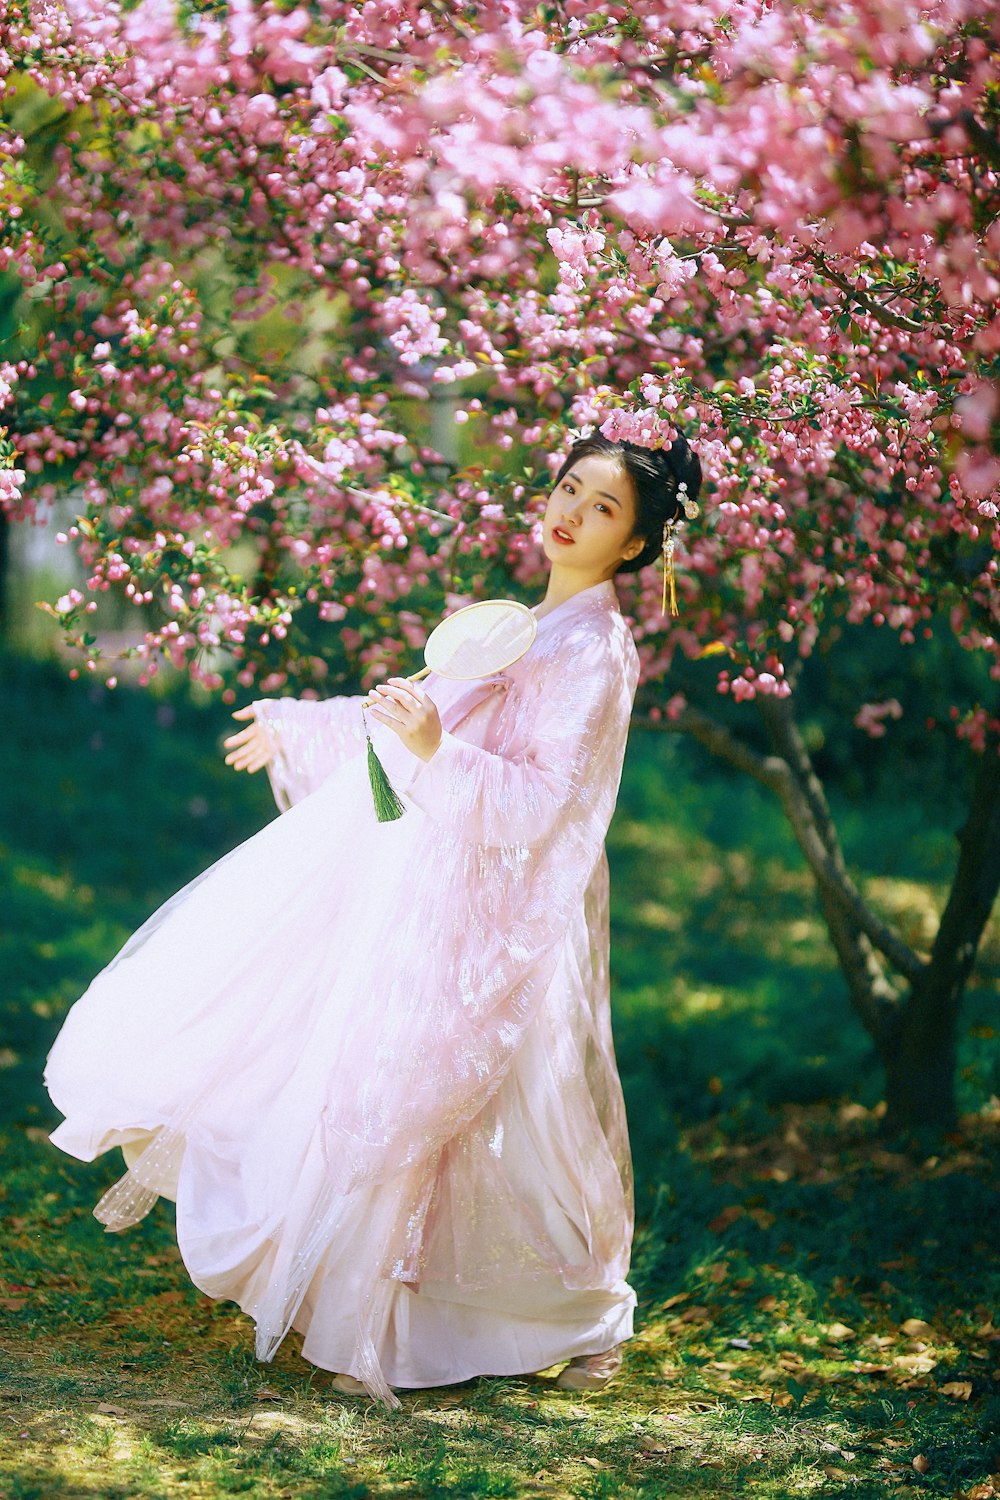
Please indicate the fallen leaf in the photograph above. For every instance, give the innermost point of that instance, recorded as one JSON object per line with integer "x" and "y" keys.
{"x": 592, "y": 1463}
{"x": 767, "y": 1304}
{"x": 916, "y": 1328}
{"x": 960, "y": 1390}
{"x": 728, "y": 1216}
{"x": 107, "y": 1410}
{"x": 673, "y": 1301}
{"x": 762, "y": 1217}
{"x": 13, "y": 1304}
{"x": 917, "y": 1364}
{"x": 921, "y": 1464}
{"x": 837, "y": 1332}
{"x": 267, "y": 1393}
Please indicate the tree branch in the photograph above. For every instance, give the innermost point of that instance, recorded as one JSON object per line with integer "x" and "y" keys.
{"x": 977, "y": 881}
{"x": 855, "y": 929}
{"x": 722, "y": 743}
{"x": 809, "y": 813}
{"x": 878, "y": 310}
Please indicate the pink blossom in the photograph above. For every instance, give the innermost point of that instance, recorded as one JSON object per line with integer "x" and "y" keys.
{"x": 871, "y": 716}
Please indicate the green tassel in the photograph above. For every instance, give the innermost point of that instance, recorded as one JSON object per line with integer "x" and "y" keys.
{"x": 388, "y": 807}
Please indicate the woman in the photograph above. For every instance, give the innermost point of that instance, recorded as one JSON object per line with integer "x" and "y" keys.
{"x": 372, "y": 1062}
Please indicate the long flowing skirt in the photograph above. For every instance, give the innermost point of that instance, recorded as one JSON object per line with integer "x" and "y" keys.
{"x": 252, "y": 1034}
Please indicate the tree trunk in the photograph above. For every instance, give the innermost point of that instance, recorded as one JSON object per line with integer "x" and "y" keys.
{"x": 920, "y": 1058}
{"x": 916, "y": 1036}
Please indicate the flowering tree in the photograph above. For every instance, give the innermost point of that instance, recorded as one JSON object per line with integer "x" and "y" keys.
{"x": 247, "y": 246}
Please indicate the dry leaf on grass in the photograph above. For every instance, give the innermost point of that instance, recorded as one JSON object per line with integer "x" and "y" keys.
{"x": 729, "y": 1215}
{"x": 916, "y": 1328}
{"x": 673, "y": 1301}
{"x": 959, "y": 1390}
{"x": 916, "y": 1364}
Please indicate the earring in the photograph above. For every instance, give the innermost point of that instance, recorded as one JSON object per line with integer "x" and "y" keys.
{"x": 668, "y": 569}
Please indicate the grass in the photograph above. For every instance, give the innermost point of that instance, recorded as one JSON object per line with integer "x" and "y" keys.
{"x": 818, "y": 1315}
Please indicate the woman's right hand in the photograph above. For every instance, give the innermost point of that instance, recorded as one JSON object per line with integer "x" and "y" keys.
{"x": 250, "y": 749}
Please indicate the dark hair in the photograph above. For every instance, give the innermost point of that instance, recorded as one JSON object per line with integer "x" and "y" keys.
{"x": 655, "y": 474}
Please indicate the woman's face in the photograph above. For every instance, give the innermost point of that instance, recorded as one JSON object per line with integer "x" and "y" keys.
{"x": 593, "y": 508}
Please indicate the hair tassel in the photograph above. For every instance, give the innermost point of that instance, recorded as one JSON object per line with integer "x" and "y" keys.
{"x": 669, "y": 579}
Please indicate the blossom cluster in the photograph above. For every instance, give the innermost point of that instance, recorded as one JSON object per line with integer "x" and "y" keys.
{"x": 276, "y": 246}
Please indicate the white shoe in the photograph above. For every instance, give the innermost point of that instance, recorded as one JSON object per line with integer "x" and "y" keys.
{"x": 348, "y": 1386}
{"x": 591, "y": 1372}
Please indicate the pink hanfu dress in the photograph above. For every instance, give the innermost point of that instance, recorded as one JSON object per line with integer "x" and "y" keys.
{"x": 372, "y": 1063}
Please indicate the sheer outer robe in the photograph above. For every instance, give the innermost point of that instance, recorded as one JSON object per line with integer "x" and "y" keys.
{"x": 346, "y": 996}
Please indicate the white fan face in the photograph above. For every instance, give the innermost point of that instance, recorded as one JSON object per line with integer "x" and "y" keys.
{"x": 480, "y": 639}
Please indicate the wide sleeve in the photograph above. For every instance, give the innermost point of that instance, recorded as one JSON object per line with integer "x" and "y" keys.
{"x": 519, "y": 794}
{"x": 311, "y": 739}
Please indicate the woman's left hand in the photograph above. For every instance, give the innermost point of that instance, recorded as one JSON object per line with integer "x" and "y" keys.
{"x": 408, "y": 712}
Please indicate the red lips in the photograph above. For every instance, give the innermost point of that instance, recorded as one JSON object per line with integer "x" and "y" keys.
{"x": 563, "y": 537}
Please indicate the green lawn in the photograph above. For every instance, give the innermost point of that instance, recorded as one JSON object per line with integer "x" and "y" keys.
{"x": 818, "y": 1315}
